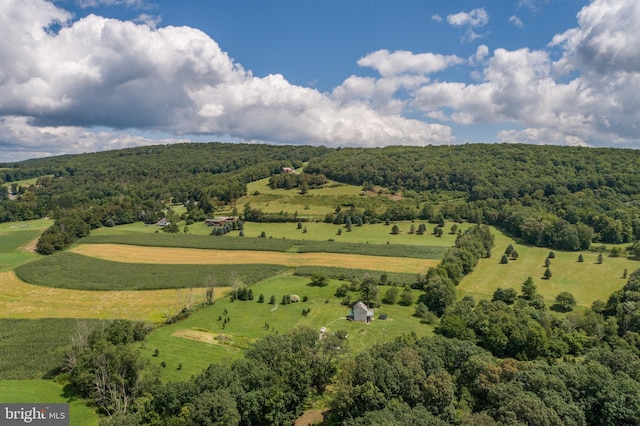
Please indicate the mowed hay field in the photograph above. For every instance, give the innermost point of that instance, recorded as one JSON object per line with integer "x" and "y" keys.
{"x": 162, "y": 255}
{"x": 21, "y": 300}
{"x": 587, "y": 281}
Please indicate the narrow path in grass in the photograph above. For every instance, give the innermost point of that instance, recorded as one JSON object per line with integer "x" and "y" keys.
{"x": 21, "y": 300}
{"x": 164, "y": 255}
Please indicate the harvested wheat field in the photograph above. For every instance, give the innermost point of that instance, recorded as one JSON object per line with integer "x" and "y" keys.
{"x": 163, "y": 255}
{"x": 21, "y": 300}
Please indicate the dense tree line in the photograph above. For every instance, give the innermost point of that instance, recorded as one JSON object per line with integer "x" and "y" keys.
{"x": 295, "y": 180}
{"x": 559, "y": 197}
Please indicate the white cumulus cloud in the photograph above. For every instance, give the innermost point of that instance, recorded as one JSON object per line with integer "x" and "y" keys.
{"x": 99, "y": 72}
{"x": 475, "y": 18}
{"x": 401, "y": 61}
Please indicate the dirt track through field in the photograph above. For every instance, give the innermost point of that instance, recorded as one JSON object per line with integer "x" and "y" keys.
{"x": 21, "y": 300}
{"x": 164, "y": 255}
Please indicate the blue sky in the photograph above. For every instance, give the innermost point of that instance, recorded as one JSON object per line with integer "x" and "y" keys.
{"x": 89, "y": 75}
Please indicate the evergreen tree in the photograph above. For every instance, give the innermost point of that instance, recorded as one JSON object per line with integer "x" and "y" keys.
{"x": 547, "y": 274}
{"x": 528, "y": 289}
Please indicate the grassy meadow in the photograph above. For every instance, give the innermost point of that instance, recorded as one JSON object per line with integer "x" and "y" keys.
{"x": 203, "y": 338}
{"x": 587, "y": 281}
{"x": 46, "y": 391}
{"x": 378, "y": 233}
{"x": 17, "y": 240}
{"x": 26, "y": 301}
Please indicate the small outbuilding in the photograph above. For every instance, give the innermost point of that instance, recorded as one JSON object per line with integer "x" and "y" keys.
{"x": 163, "y": 222}
{"x": 360, "y": 312}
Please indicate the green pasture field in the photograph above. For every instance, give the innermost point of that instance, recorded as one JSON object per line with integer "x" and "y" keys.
{"x": 275, "y": 245}
{"x": 46, "y": 391}
{"x": 34, "y": 349}
{"x": 14, "y": 236}
{"x": 247, "y": 323}
{"x": 373, "y": 239}
{"x": 77, "y": 272}
{"x": 587, "y": 281}
{"x": 24, "y": 182}
{"x": 315, "y": 204}
{"x": 378, "y": 233}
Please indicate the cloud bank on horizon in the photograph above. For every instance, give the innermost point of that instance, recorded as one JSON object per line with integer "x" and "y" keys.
{"x": 77, "y": 85}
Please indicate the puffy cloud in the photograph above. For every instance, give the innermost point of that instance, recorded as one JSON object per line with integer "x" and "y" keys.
{"x": 401, "y": 61}
{"x": 104, "y": 73}
{"x": 99, "y": 72}
{"x": 586, "y": 97}
{"x": 475, "y": 18}
{"x": 516, "y": 21}
{"x": 480, "y": 56}
{"x": 606, "y": 40}
{"x": 540, "y": 137}
{"x": 19, "y": 139}
{"x": 137, "y": 4}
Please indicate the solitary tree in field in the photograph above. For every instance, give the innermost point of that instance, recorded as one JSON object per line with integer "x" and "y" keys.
{"x": 209, "y": 283}
{"x": 514, "y": 255}
{"x": 504, "y": 260}
{"x": 547, "y": 262}
{"x": 547, "y": 274}
{"x": 528, "y": 288}
{"x": 406, "y": 299}
{"x": 319, "y": 280}
{"x": 624, "y": 274}
{"x": 580, "y": 258}
{"x": 369, "y": 291}
{"x": 391, "y": 296}
{"x": 509, "y": 250}
{"x": 551, "y": 255}
{"x": 395, "y": 230}
{"x": 600, "y": 259}
{"x": 454, "y": 228}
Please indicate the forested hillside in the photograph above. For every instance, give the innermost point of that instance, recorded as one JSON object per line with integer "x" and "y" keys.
{"x": 560, "y": 197}
{"x": 88, "y": 191}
